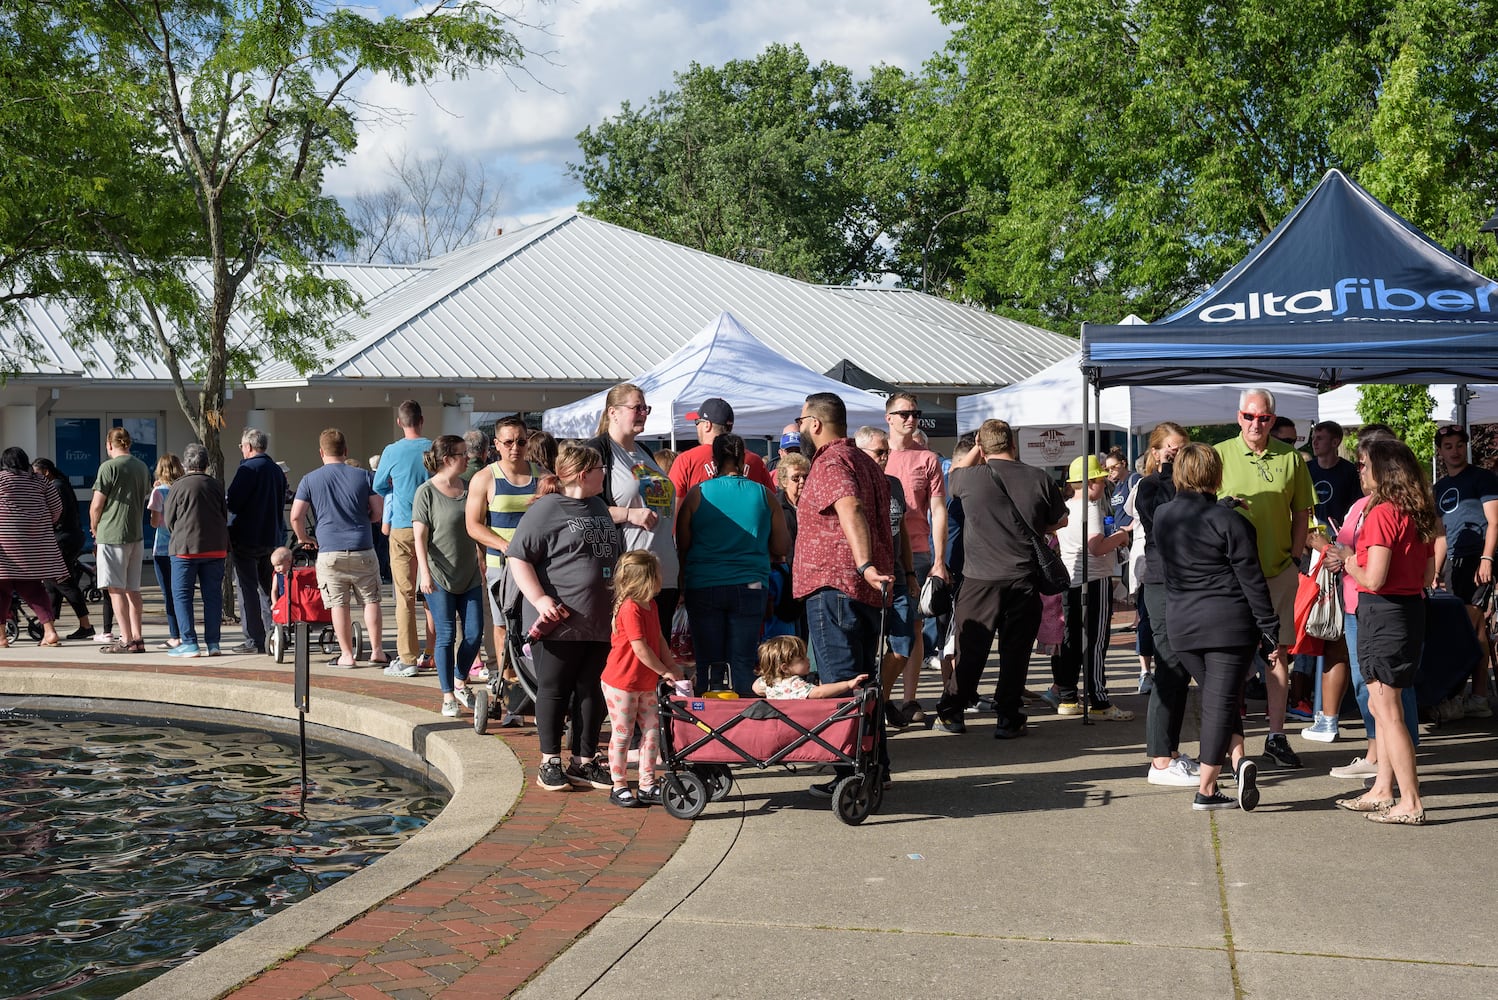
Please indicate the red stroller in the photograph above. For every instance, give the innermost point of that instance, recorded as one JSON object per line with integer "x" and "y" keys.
{"x": 297, "y": 601}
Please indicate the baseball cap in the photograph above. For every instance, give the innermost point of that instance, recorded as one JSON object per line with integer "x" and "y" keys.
{"x": 791, "y": 440}
{"x": 715, "y": 410}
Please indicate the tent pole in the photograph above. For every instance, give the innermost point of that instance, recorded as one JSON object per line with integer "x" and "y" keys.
{"x": 1082, "y": 527}
{"x": 1462, "y": 396}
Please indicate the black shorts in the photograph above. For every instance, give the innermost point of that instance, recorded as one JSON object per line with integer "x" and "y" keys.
{"x": 1461, "y": 576}
{"x": 1391, "y": 633}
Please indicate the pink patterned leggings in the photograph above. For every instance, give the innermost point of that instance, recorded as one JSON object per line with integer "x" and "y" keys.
{"x": 627, "y": 710}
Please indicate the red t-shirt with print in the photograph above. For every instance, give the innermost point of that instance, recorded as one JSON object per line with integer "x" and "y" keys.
{"x": 624, "y": 669}
{"x": 1391, "y": 528}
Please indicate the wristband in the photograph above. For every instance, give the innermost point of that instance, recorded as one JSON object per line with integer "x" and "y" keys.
{"x": 1486, "y": 559}
{"x": 865, "y": 567}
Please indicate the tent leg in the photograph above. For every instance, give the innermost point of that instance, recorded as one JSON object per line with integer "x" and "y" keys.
{"x": 1088, "y": 450}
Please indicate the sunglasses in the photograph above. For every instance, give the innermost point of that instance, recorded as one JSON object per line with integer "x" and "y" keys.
{"x": 1256, "y": 418}
{"x": 878, "y": 452}
{"x": 513, "y": 443}
{"x": 907, "y": 414}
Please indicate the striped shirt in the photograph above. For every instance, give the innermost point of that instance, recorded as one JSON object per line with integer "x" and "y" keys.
{"x": 507, "y": 502}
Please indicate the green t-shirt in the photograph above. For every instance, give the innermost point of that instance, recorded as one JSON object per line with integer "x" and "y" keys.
{"x": 1275, "y": 485}
{"x": 126, "y": 483}
{"x": 451, "y": 554}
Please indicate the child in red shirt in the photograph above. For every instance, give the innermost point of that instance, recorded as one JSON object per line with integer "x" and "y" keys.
{"x": 638, "y": 659}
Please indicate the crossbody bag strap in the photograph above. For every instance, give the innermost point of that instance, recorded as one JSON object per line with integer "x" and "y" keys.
{"x": 1025, "y": 526}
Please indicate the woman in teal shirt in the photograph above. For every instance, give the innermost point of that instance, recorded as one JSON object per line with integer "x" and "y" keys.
{"x": 728, "y": 531}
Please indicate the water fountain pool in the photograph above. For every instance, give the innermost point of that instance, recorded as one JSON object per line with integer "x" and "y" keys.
{"x": 127, "y": 847}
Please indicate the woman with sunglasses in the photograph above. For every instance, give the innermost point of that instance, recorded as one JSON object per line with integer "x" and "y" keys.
{"x": 1390, "y": 565}
{"x": 638, "y": 492}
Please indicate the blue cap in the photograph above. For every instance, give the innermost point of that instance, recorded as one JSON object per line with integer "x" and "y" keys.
{"x": 791, "y": 440}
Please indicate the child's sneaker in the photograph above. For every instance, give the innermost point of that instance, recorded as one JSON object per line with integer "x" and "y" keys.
{"x": 552, "y": 778}
{"x": 589, "y": 774}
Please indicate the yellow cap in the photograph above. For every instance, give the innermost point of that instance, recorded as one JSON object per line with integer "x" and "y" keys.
{"x": 1094, "y": 470}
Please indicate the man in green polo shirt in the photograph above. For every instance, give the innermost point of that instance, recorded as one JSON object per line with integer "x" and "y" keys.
{"x": 1271, "y": 479}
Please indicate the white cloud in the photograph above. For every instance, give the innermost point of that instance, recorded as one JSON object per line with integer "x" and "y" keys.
{"x": 604, "y": 52}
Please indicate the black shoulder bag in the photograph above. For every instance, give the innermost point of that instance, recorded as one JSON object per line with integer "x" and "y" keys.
{"x": 1051, "y": 574}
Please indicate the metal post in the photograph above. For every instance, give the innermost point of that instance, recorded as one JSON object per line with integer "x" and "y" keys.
{"x": 1086, "y": 483}
{"x": 302, "y": 693}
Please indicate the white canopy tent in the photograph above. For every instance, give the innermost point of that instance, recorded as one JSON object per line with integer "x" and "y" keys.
{"x": 765, "y": 389}
{"x": 1341, "y": 404}
{"x": 1052, "y": 397}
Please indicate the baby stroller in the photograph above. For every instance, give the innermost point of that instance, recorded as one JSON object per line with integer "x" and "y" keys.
{"x": 298, "y": 602}
{"x": 13, "y": 623}
{"x": 520, "y": 699}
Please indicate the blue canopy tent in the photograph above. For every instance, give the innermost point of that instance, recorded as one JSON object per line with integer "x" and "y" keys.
{"x": 1343, "y": 290}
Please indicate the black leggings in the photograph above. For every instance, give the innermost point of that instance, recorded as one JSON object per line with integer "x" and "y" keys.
{"x": 1167, "y": 709}
{"x": 1220, "y": 673}
{"x": 68, "y": 590}
{"x": 568, "y": 677}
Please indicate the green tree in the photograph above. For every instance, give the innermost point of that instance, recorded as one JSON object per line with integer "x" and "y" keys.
{"x": 1406, "y": 409}
{"x": 764, "y": 161}
{"x": 223, "y": 116}
{"x": 1122, "y": 156}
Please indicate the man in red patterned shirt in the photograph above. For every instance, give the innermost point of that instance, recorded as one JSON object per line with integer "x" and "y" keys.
{"x": 843, "y": 550}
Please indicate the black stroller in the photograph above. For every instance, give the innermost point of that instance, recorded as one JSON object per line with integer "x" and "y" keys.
{"x": 518, "y": 697}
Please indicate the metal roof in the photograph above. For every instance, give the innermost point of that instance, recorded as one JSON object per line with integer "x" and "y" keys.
{"x": 47, "y": 321}
{"x": 580, "y": 301}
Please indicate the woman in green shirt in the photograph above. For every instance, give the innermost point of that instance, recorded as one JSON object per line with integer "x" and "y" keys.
{"x": 447, "y": 565}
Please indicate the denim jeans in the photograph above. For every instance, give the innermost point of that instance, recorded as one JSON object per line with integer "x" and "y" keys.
{"x": 844, "y": 635}
{"x": 902, "y": 615}
{"x": 726, "y": 623}
{"x": 208, "y": 576}
{"x": 168, "y": 595}
{"x": 1360, "y": 687}
{"x": 449, "y": 611}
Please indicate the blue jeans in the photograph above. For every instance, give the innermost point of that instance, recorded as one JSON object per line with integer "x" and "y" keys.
{"x": 450, "y": 610}
{"x": 208, "y": 576}
{"x": 726, "y": 623}
{"x": 902, "y": 615}
{"x": 1360, "y": 687}
{"x": 168, "y": 595}
{"x": 844, "y": 635}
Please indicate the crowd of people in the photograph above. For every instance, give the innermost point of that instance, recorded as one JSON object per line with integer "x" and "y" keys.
{"x": 800, "y": 567}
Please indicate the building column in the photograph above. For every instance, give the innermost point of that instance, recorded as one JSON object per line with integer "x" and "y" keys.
{"x": 18, "y": 427}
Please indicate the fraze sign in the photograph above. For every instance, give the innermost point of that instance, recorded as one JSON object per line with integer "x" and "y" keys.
{"x": 1352, "y": 295}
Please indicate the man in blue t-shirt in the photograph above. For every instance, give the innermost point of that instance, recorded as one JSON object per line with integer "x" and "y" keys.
{"x": 402, "y": 470}
{"x": 1467, "y": 498}
{"x": 338, "y": 496}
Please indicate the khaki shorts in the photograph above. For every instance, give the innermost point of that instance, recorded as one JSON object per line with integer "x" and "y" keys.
{"x": 348, "y": 579}
{"x": 119, "y": 565}
{"x": 1282, "y": 590}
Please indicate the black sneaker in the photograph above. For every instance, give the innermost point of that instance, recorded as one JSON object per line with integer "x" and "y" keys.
{"x": 1248, "y": 785}
{"x": 893, "y": 717}
{"x": 80, "y": 633}
{"x": 1277, "y": 749}
{"x": 1008, "y": 731}
{"x": 823, "y": 790}
{"x": 953, "y": 726}
{"x": 589, "y": 774}
{"x": 1211, "y": 803}
{"x": 552, "y": 778}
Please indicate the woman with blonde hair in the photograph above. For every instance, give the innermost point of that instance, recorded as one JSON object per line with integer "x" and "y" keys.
{"x": 1393, "y": 560}
{"x": 562, "y": 558}
{"x": 637, "y": 491}
{"x": 1219, "y": 611}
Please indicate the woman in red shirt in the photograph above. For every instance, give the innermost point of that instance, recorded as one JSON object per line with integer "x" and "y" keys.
{"x": 1392, "y": 561}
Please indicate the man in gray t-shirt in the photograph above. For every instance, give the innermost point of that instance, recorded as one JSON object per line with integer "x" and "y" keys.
{"x": 340, "y": 498}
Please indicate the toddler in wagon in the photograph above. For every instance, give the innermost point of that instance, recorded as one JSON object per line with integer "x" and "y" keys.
{"x": 783, "y": 666}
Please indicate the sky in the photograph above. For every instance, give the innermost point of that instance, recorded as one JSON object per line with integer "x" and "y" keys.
{"x": 592, "y": 55}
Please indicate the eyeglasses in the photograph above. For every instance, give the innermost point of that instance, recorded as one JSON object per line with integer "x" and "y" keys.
{"x": 804, "y": 416}
{"x": 1264, "y": 472}
{"x": 1256, "y": 418}
{"x": 800, "y": 477}
{"x": 878, "y": 452}
{"x": 906, "y": 414}
{"x": 638, "y": 408}
{"x": 512, "y": 443}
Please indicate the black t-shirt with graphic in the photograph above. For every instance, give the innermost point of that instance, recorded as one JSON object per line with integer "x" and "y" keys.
{"x": 1459, "y": 498}
{"x": 1336, "y": 488}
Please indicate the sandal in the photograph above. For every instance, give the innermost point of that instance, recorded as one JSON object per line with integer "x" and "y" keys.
{"x": 117, "y": 647}
{"x": 54, "y": 642}
{"x": 1399, "y": 819}
{"x": 137, "y": 646}
{"x": 1361, "y": 805}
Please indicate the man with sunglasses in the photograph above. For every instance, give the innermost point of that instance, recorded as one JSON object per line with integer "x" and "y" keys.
{"x": 1467, "y": 497}
{"x": 498, "y": 494}
{"x": 918, "y": 469}
{"x": 1271, "y": 480}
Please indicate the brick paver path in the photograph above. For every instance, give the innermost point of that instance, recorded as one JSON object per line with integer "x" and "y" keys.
{"x": 496, "y": 915}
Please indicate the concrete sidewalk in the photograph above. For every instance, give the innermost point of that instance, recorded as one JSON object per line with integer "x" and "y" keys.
{"x": 1047, "y": 866}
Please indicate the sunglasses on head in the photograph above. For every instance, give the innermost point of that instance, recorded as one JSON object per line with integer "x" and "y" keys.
{"x": 1256, "y": 418}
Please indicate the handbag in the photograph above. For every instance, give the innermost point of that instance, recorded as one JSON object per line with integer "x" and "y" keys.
{"x": 1051, "y": 574}
{"x": 1325, "y": 619}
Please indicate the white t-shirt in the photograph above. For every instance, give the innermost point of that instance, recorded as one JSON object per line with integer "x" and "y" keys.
{"x": 1098, "y": 567}
{"x": 637, "y": 481}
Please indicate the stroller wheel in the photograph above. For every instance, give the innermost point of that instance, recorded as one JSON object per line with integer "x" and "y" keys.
{"x": 718, "y": 779}
{"x": 328, "y": 640}
{"x": 93, "y": 595}
{"x": 852, "y": 800}
{"x": 12, "y": 629}
{"x": 480, "y": 695}
{"x": 278, "y": 642}
{"x": 35, "y": 630}
{"x": 361, "y": 651}
{"x": 684, "y": 795}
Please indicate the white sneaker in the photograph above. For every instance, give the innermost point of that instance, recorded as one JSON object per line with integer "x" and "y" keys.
{"x": 932, "y": 663}
{"x": 1191, "y": 764}
{"x": 1174, "y": 774}
{"x": 1477, "y": 707}
{"x": 1359, "y": 768}
{"x": 450, "y": 709}
{"x": 1146, "y": 682}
